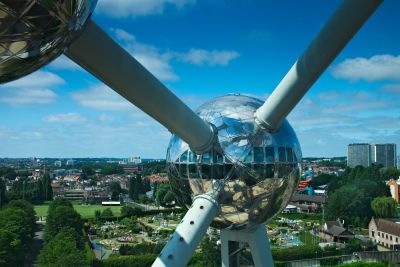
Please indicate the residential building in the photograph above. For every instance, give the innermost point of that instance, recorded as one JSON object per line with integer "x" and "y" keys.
{"x": 358, "y": 154}
{"x": 384, "y": 154}
{"x": 334, "y": 231}
{"x": 394, "y": 188}
{"x": 306, "y": 203}
{"x": 385, "y": 233}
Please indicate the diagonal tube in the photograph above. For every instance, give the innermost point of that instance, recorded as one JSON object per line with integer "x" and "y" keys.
{"x": 333, "y": 37}
{"x": 96, "y": 52}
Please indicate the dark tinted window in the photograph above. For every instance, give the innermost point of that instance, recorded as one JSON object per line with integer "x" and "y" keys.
{"x": 282, "y": 154}
{"x": 289, "y": 154}
{"x": 269, "y": 154}
{"x": 258, "y": 154}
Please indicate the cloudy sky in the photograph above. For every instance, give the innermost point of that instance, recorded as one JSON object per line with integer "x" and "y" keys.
{"x": 203, "y": 49}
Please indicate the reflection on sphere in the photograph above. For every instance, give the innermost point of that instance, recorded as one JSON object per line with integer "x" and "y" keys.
{"x": 32, "y": 33}
{"x": 254, "y": 171}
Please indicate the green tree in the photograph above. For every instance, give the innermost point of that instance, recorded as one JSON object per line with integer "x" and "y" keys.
{"x": 112, "y": 168}
{"x": 11, "y": 249}
{"x": 210, "y": 251}
{"x": 88, "y": 170}
{"x": 47, "y": 189}
{"x": 17, "y": 221}
{"x": 107, "y": 214}
{"x": 26, "y": 207}
{"x": 131, "y": 191}
{"x": 2, "y": 192}
{"x": 97, "y": 214}
{"x": 391, "y": 173}
{"x": 128, "y": 211}
{"x": 164, "y": 195}
{"x": 322, "y": 179}
{"x": 115, "y": 189}
{"x": 384, "y": 207}
{"x": 64, "y": 250}
{"x": 57, "y": 202}
{"x": 61, "y": 216}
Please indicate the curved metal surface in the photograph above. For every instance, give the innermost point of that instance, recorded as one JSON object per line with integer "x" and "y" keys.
{"x": 252, "y": 172}
{"x": 35, "y": 32}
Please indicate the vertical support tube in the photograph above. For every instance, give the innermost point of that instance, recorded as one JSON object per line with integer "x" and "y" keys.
{"x": 258, "y": 243}
{"x": 95, "y": 51}
{"x": 333, "y": 37}
{"x": 188, "y": 234}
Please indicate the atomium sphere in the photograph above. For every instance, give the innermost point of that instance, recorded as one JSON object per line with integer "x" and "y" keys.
{"x": 34, "y": 32}
{"x": 252, "y": 172}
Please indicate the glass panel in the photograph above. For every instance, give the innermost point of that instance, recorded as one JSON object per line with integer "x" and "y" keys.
{"x": 218, "y": 158}
{"x": 281, "y": 154}
{"x": 259, "y": 169}
{"x": 295, "y": 157}
{"x": 218, "y": 171}
{"x": 183, "y": 170}
{"x": 258, "y": 154}
{"x": 249, "y": 157}
{"x": 206, "y": 158}
{"x": 289, "y": 154}
{"x": 269, "y": 171}
{"x": 192, "y": 157}
{"x": 269, "y": 154}
{"x": 206, "y": 171}
{"x": 193, "y": 171}
{"x": 183, "y": 157}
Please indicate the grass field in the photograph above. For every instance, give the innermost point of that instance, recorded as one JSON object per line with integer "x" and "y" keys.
{"x": 86, "y": 211}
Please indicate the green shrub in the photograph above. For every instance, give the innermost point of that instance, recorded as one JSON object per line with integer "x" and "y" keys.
{"x": 131, "y": 261}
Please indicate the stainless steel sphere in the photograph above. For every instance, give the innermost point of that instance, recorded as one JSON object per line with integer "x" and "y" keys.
{"x": 34, "y": 32}
{"x": 253, "y": 172}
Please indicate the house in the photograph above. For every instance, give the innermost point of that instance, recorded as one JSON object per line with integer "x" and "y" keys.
{"x": 394, "y": 188}
{"x": 385, "y": 233}
{"x": 308, "y": 203}
{"x": 334, "y": 231}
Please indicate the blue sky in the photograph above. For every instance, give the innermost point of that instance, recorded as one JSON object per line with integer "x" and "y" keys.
{"x": 203, "y": 49}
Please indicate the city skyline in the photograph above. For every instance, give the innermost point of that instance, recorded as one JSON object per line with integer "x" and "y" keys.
{"x": 62, "y": 111}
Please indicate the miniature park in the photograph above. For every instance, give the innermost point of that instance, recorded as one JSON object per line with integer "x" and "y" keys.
{"x": 127, "y": 213}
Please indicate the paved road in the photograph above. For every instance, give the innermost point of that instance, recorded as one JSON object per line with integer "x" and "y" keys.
{"x": 35, "y": 246}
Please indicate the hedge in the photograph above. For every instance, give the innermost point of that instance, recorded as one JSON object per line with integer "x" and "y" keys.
{"x": 131, "y": 261}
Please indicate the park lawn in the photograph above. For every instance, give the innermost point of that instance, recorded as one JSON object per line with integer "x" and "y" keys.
{"x": 86, "y": 211}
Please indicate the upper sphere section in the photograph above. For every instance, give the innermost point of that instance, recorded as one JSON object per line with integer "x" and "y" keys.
{"x": 34, "y": 32}
{"x": 252, "y": 172}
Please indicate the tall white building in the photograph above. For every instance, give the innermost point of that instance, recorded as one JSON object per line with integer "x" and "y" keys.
{"x": 358, "y": 154}
{"x": 384, "y": 154}
{"x": 134, "y": 160}
{"x": 367, "y": 154}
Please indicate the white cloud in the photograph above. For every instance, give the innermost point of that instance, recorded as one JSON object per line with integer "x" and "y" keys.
{"x": 64, "y": 117}
{"x": 64, "y": 63}
{"x": 379, "y": 67}
{"x": 131, "y": 8}
{"x": 36, "y": 79}
{"x": 391, "y": 88}
{"x": 210, "y": 58}
{"x": 156, "y": 61}
{"x": 27, "y": 96}
{"x": 31, "y": 89}
{"x": 149, "y": 56}
{"x": 105, "y": 117}
{"x": 101, "y": 97}
{"x": 159, "y": 63}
